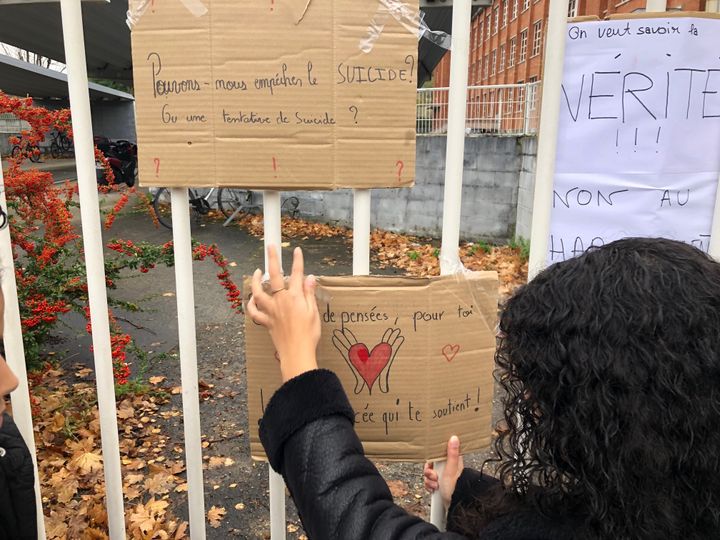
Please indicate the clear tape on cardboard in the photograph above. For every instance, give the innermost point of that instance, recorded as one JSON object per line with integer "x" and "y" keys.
{"x": 137, "y": 8}
{"x": 411, "y": 19}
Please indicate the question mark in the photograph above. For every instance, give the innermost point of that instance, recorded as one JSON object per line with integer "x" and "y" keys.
{"x": 400, "y": 165}
{"x": 410, "y": 60}
{"x": 157, "y": 166}
{"x": 353, "y": 109}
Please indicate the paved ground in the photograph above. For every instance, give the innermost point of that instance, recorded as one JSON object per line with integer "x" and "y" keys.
{"x": 220, "y": 363}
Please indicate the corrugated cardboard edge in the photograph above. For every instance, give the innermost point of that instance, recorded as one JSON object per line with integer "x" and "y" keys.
{"x": 257, "y": 453}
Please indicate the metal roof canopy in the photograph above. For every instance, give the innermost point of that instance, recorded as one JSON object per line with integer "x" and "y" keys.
{"x": 20, "y": 78}
{"x": 35, "y": 25}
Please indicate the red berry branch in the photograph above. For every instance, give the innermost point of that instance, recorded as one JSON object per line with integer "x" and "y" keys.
{"x": 47, "y": 250}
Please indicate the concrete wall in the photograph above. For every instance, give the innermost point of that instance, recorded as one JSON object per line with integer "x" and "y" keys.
{"x": 526, "y": 187}
{"x": 493, "y": 170}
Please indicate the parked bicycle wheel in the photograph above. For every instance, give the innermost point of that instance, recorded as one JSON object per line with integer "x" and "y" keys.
{"x": 230, "y": 199}
{"x": 162, "y": 207}
{"x": 32, "y": 152}
{"x": 55, "y": 150}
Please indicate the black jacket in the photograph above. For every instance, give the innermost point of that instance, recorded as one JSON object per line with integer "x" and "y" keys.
{"x": 307, "y": 431}
{"x": 18, "y": 520}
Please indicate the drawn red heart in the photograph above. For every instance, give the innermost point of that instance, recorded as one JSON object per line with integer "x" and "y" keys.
{"x": 449, "y": 351}
{"x": 370, "y": 364}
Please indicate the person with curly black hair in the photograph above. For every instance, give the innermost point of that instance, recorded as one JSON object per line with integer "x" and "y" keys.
{"x": 610, "y": 366}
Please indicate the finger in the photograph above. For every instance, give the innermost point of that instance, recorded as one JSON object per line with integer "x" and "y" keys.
{"x": 259, "y": 296}
{"x": 351, "y": 337}
{"x": 255, "y": 314}
{"x": 453, "y": 463}
{"x": 396, "y": 345}
{"x": 394, "y": 335}
{"x": 386, "y": 336}
{"x": 298, "y": 270}
{"x": 309, "y": 286}
{"x": 337, "y": 334}
{"x": 432, "y": 487}
{"x": 274, "y": 271}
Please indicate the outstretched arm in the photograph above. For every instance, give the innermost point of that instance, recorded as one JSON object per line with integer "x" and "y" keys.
{"x": 308, "y": 434}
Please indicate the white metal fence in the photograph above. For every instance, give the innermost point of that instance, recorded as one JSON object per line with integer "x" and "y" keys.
{"x": 450, "y": 118}
{"x": 501, "y": 109}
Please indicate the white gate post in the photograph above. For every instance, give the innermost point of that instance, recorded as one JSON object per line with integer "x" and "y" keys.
{"x": 273, "y": 236}
{"x": 547, "y": 135}
{"x": 94, "y": 260}
{"x": 15, "y": 354}
{"x": 452, "y": 197}
{"x": 187, "y": 339}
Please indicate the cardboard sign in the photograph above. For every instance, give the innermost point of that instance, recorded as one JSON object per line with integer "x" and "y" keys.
{"x": 414, "y": 355}
{"x": 274, "y": 94}
{"x": 638, "y": 150}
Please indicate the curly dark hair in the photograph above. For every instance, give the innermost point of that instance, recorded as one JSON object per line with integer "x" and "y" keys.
{"x": 611, "y": 367}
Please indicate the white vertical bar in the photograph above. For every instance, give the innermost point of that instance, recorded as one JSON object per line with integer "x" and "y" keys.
{"x": 548, "y": 134}
{"x": 526, "y": 128}
{"x": 449, "y": 258}
{"x": 185, "y": 296}
{"x": 452, "y": 198}
{"x": 94, "y": 260}
{"x": 15, "y": 354}
{"x": 271, "y": 215}
{"x": 361, "y": 232}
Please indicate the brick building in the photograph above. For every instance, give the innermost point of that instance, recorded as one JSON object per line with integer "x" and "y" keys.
{"x": 507, "y": 42}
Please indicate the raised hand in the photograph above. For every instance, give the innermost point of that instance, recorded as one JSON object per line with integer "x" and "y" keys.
{"x": 289, "y": 313}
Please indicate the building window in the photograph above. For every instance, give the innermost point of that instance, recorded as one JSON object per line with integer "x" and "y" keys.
{"x": 511, "y": 56}
{"x": 502, "y": 58}
{"x": 523, "y": 45}
{"x": 516, "y": 3}
{"x": 537, "y": 38}
{"x": 573, "y": 8}
{"x": 488, "y": 25}
{"x": 496, "y": 19}
{"x": 505, "y": 8}
{"x": 481, "y": 27}
{"x": 493, "y": 61}
{"x": 526, "y": 5}
{"x": 485, "y": 67}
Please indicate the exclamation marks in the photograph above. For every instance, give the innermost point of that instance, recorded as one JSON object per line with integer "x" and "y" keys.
{"x": 272, "y": 5}
{"x": 478, "y": 400}
{"x": 657, "y": 139}
{"x": 274, "y": 162}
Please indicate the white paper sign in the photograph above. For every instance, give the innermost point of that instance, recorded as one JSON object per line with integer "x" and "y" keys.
{"x": 639, "y": 135}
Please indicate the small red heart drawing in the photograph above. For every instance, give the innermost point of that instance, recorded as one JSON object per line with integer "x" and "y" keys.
{"x": 370, "y": 364}
{"x": 450, "y": 351}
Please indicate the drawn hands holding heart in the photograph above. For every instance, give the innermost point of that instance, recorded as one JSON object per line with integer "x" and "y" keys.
{"x": 369, "y": 366}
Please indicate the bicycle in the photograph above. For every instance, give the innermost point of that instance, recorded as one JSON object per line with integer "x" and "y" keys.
{"x": 199, "y": 202}
{"x": 232, "y": 201}
{"x": 60, "y": 145}
{"x": 32, "y": 151}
